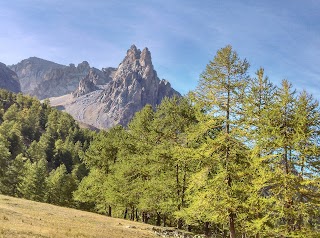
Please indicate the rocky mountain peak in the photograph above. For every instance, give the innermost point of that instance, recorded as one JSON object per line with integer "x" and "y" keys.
{"x": 136, "y": 62}
{"x": 84, "y": 66}
{"x": 135, "y": 57}
{"x": 133, "y": 54}
{"x": 145, "y": 58}
{"x": 112, "y": 96}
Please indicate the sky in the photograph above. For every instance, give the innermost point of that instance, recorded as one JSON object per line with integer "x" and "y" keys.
{"x": 282, "y": 36}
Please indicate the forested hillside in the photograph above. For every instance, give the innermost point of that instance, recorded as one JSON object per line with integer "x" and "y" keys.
{"x": 40, "y": 150}
{"x": 237, "y": 157}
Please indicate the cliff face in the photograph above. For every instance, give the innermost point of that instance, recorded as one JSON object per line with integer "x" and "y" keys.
{"x": 9, "y": 79}
{"x": 43, "y": 79}
{"x": 112, "y": 96}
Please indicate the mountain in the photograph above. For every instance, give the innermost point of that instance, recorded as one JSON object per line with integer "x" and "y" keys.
{"x": 44, "y": 79}
{"x": 112, "y": 96}
{"x": 9, "y": 79}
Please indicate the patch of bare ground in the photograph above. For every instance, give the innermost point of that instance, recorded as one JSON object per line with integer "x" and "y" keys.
{"x": 24, "y": 218}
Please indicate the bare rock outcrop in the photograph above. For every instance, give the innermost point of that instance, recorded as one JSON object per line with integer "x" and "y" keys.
{"x": 9, "y": 79}
{"x": 94, "y": 80}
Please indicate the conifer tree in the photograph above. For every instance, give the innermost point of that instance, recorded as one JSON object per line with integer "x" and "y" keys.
{"x": 59, "y": 186}
{"x": 12, "y": 176}
{"x": 33, "y": 185}
{"x": 221, "y": 90}
{"x": 4, "y": 163}
{"x": 258, "y": 103}
{"x": 306, "y": 121}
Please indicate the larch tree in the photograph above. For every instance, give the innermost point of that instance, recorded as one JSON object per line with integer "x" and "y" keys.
{"x": 257, "y": 106}
{"x": 221, "y": 90}
{"x": 306, "y": 121}
{"x": 171, "y": 161}
{"x": 59, "y": 187}
{"x": 33, "y": 181}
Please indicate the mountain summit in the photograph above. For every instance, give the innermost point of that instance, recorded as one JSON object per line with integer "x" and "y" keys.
{"x": 111, "y": 96}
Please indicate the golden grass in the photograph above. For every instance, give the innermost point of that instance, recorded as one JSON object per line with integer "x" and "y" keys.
{"x": 23, "y": 218}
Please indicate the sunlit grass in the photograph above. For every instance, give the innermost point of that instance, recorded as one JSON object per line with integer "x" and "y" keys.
{"x": 23, "y": 218}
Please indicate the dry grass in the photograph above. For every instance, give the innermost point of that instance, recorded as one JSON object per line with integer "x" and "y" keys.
{"x": 23, "y": 218}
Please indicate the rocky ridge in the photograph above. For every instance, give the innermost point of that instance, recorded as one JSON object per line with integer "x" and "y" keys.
{"x": 44, "y": 79}
{"x": 9, "y": 79}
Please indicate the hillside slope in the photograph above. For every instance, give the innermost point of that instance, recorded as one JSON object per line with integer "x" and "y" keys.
{"x": 23, "y": 218}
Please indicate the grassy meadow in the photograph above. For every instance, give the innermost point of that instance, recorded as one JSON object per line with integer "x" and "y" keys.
{"x": 24, "y": 218}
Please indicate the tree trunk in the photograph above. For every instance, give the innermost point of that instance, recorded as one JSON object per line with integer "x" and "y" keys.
{"x": 125, "y": 213}
{"x": 109, "y": 211}
{"x": 231, "y": 225}
{"x": 137, "y": 217}
{"x": 178, "y": 187}
{"x": 179, "y": 225}
{"x": 158, "y": 222}
{"x": 206, "y": 229}
{"x": 144, "y": 217}
{"x": 184, "y": 185}
{"x": 132, "y": 214}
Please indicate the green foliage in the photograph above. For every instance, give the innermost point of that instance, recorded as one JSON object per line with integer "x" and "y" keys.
{"x": 13, "y": 176}
{"x": 33, "y": 181}
{"x": 4, "y": 162}
{"x": 60, "y": 186}
{"x": 36, "y": 139}
{"x": 238, "y": 155}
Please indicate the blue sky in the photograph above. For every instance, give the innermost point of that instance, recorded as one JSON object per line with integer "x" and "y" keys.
{"x": 283, "y": 36}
